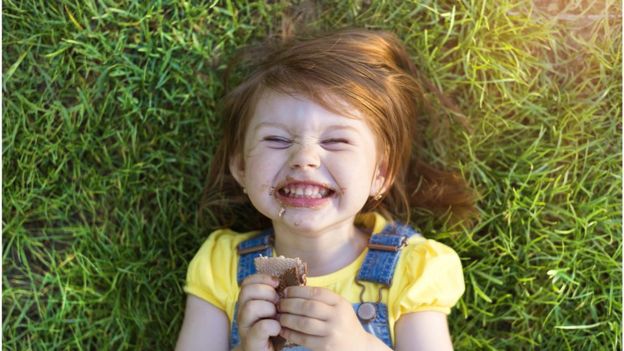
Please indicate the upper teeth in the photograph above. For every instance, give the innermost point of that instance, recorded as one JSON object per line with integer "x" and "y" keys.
{"x": 312, "y": 191}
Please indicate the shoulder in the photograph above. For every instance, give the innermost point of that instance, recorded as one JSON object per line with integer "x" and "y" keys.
{"x": 429, "y": 276}
{"x": 219, "y": 250}
{"x": 418, "y": 245}
{"x": 420, "y": 254}
{"x": 419, "y": 251}
{"x": 211, "y": 273}
{"x": 223, "y": 241}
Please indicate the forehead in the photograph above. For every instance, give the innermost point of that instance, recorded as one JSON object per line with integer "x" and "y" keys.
{"x": 298, "y": 110}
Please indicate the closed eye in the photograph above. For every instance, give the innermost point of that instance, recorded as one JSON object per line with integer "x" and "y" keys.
{"x": 335, "y": 144}
{"x": 335, "y": 141}
{"x": 277, "y": 142}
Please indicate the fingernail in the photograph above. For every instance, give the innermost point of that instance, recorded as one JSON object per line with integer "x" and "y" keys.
{"x": 285, "y": 292}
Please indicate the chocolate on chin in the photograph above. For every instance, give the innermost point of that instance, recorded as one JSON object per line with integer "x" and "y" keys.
{"x": 290, "y": 272}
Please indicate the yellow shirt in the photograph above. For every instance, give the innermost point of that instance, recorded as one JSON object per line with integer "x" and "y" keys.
{"x": 428, "y": 275}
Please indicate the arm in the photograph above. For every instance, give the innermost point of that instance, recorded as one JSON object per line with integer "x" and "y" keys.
{"x": 204, "y": 327}
{"x": 423, "y": 331}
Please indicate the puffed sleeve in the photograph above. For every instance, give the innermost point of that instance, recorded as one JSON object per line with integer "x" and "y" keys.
{"x": 431, "y": 279}
{"x": 210, "y": 275}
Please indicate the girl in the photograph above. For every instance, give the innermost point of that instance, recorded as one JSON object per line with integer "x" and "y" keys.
{"x": 319, "y": 139}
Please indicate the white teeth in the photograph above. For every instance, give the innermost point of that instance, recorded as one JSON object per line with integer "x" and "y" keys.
{"x": 309, "y": 191}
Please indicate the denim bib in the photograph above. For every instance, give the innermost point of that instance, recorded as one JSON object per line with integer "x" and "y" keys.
{"x": 378, "y": 267}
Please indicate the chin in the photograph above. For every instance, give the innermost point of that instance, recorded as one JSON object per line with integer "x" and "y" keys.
{"x": 310, "y": 223}
{"x": 303, "y": 226}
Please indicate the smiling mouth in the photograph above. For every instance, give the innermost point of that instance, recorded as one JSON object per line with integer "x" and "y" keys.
{"x": 305, "y": 191}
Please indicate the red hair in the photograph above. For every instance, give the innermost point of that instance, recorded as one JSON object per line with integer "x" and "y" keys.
{"x": 372, "y": 72}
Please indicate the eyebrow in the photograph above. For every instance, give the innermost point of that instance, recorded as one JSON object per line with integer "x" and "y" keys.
{"x": 283, "y": 126}
{"x": 270, "y": 124}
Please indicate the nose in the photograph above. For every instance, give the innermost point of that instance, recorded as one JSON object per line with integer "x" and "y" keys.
{"x": 304, "y": 156}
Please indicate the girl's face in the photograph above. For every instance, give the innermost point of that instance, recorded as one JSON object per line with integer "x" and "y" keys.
{"x": 320, "y": 167}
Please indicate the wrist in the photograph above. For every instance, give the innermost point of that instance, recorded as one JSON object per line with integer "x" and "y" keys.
{"x": 372, "y": 343}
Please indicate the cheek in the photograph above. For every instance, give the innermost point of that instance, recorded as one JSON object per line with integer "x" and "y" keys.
{"x": 354, "y": 172}
{"x": 260, "y": 168}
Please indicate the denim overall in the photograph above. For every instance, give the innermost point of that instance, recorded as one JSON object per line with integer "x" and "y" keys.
{"x": 378, "y": 267}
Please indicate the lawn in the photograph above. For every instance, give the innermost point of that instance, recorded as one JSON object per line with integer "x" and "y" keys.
{"x": 109, "y": 123}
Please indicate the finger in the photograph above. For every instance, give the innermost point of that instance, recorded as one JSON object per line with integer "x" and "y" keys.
{"x": 295, "y": 337}
{"x": 259, "y": 334}
{"x": 260, "y": 278}
{"x": 254, "y": 310}
{"x": 313, "y": 293}
{"x": 304, "y": 307}
{"x": 303, "y": 324}
{"x": 257, "y": 292}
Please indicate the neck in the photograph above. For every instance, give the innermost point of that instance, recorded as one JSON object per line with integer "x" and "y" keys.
{"x": 324, "y": 252}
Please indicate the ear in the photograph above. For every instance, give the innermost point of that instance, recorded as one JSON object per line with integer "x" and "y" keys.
{"x": 237, "y": 168}
{"x": 379, "y": 179}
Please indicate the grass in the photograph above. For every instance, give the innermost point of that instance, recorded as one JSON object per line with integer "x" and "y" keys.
{"x": 109, "y": 126}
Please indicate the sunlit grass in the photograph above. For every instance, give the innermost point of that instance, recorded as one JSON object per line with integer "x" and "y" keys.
{"x": 109, "y": 124}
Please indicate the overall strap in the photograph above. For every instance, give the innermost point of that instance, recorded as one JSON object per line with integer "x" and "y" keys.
{"x": 383, "y": 253}
{"x": 248, "y": 250}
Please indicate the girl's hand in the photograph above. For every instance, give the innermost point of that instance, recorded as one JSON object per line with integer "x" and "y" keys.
{"x": 320, "y": 319}
{"x": 256, "y": 312}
